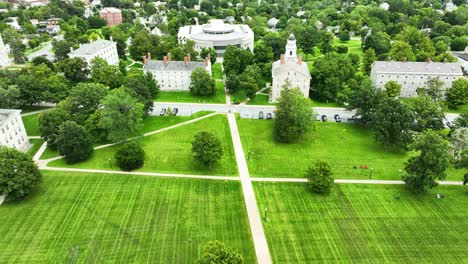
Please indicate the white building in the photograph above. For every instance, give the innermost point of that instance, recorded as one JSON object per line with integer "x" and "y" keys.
{"x": 412, "y": 75}
{"x": 104, "y": 49}
{"x": 462, "y": 58}
{"x": 217, "y": 35}
{"x": 174, "y": 75}
{"x": 290, "y": 71}
{"x": 12, "y": 131}
{"x": 4, "y": 60}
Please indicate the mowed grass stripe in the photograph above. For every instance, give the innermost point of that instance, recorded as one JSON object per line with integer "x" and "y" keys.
{"x": 109, "y": 218}
{"x": 364, "y": 224}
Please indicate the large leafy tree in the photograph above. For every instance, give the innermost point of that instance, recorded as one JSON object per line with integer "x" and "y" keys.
{"x": 428, "y": 114}
{"x": 208, "y": 51}
{"x": 458, "y": 94}
{"x": 207, "y": 148}
{"x": 430, "y": 165}
{"x": 143, "y": 86}
{"x": 49, "y": 123}
{"x": 9, "y": 96}
{"x": 103, "y": 73}
{"x": 368, "y": 59}
{"x": 294, "y": 115}
{"x": 432, "y": 89}
{"x": 235, "y": 60}
{"x": 392, "y": 122}
{"x": 379, "y": 41}
{"x": 121, "y": 115}
{"x": 402, "y": 51}
{"x": 319, "y": 177}
{"x": 392, "y": 89}
{"x": 365, "y": 100}
{"x": 201, "y": 83}
{"x": 74, "y": 69}
{"x": 142, "y": 43}
{"x": 73, "y": 142}
{"x": 18, "y": 174}
{"x": 217, "y": 252}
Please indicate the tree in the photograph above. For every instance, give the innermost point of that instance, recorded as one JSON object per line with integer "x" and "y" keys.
{"x": 17, "y": 49}
{"x": 217, "y": 252}
{"x": 61, "y": 49}
{"x": 83, "y": 101}
{"x": 43, "y": 60}
{"x": 73, "y": 142}
{"x": 368, "y": 59}
{"x": 458, "y": 44}
{"x": 121, "y": 115}
{"x": 19, "y": 175}
{"x": 9, "y": 97}
{"x": 428, "y": 114}
{"x": 307, "y": 38}
{"x": 103, "y": 73}
{"x": 319, "y": 177}
{"x": 201, "y": 83}
{"x": 430, "y": 165}
{"x": 365, "y": 100}
{"x": 75, "y": 69}
{"x": 459, "y": 141}
{"x": 207, "y": 148}
{"x": 402, "y": 51}
{"x": 462, "y": 120}
{"x": 235, "y": 60}
{"x": 49, "y": 123}
{"x": 458, "y": 94}
{"x": 276, "y": 42}
{"x": 433, "y": 89}
{"x": 96, "y": 22}
{"x": 209, "y": 51}
{"x": 143, "y": 86}
{"x": 392, "y": 89}
{"x": 392, "y": 122}
{"x": 343, "y": 35}
{"x": 130, "y": 156}
{"x": 326, "y": 41}
{"x": 294, "y": 115}
{"x": 142, "y": 43}
{"x": 96, "y": 132}
{"x": 379, "y": 41}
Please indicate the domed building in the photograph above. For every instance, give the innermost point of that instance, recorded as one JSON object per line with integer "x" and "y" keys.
{"x": 289, "y": 72}
{"x": 218, "y": 35}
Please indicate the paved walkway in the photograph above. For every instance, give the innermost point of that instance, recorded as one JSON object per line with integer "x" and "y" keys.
{"x": 36, "y": 112}
{"x": 256, "y": 227}
{"x": 350, "y": 181}
{"x": 41, "y": 150}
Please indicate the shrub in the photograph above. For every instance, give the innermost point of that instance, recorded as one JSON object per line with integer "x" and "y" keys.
{"x": 73, "y": 142}
{"x": 319, "y": 177}
{"x": 207, "y": 148}
{"x": 130, "y": 156}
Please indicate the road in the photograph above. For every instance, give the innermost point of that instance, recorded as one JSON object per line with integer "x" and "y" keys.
{"x": 255, "y": 111}
{"x": 46, "y": 50}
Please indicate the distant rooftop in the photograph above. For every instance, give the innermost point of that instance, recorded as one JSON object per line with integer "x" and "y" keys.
{"x": 407, "y": 67}
{"x": 92, "y": 48}
{"x": 110, "y": 10}
{"x": 173, "y": 65}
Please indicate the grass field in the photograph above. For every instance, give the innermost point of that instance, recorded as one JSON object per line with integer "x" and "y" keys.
{"x": 123, "y": 219}
{"x": 217, "y": 71}
{"x": 343, "y": 145}
{"x": 187, "y": 97}
{"x": 36, "y": 144}
{"x": 31, "y": 125}
{"x": 364, "y": 224}
{"x": 171, "y": 151}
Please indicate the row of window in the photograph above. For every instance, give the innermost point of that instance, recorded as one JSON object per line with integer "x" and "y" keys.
{"x": 406, "y": 77}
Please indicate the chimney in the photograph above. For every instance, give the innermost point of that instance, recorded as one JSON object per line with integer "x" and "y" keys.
{"x": 168, "y": 56}
{"x": 429, "y": 60}
{"x": 207, "y": 60}
{"x": 185, "y": 61}
{"x": 282, "y": 59}
{"x": 71, "y": 49}
{"x": 164, "y": 60}
{"x": 188, "y": 57}
{"x": 111, "y": 39}
{"x": 148, "y": 55}
{"x": 144, "y": 60}
{"x": 299, "y": 59}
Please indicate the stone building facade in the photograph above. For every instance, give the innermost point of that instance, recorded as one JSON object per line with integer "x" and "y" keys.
{"x": 174, "y": 75}
{"x": 412, "y": 75}
{"x": 291, "y": 71}
{"x": 12, "y": 131}
{"x": 112, "y": 15}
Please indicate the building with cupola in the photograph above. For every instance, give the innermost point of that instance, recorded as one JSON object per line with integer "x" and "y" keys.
{"x": 289, "y": 72}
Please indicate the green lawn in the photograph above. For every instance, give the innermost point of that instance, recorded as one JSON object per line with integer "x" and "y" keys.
{"x": 187, "y": 97}
{"x": 364, "y": 224}
{"x": 123, "y": 219}
{"x": 410, "y": 101}
{"x": 31, "y": 125}
{"x": 217, "y": 71}
{"x": 35, "y": 145}
{"x": 260, "y": 99}
{"x": 343, "y": 145}
{"x": 171, "y": 151}
{"x": 354, "y": 45}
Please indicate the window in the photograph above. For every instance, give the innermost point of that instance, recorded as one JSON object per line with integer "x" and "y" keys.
{"x": 290, "y": 53}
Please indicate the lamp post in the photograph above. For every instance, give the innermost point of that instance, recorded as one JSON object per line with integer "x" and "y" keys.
{"x": 370, "y": 174}
{"x": 110, "y": 163}
{"x": 265, "y": 214}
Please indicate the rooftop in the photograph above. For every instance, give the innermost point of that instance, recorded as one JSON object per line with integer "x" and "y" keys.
{"x": 417, "y": 67}
{"x": 5, "y": 114}
{"x": 173, "y": 65}
{"x": 110, "y": 10}
{"x": 216, "y": 30}
{"x": 92, "y": 48}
